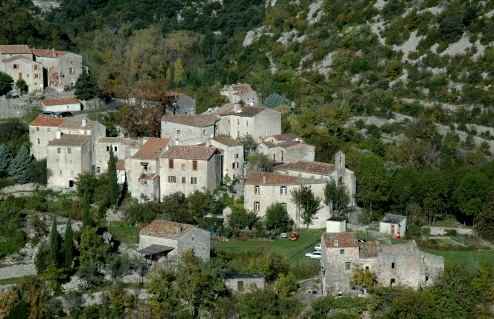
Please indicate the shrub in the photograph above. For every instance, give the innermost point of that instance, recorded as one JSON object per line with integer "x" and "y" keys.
{"x": 450, "y": 29}
{"x": 450, "y": 232}
{"x": 426, "y": 231}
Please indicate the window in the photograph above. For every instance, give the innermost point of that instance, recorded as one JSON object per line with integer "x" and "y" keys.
{"x": 15, "y": 66}
{"x": 115, "y": 148}
{"x": 144, "y": 182}
{"x": 172, "y": 179}
{"x": 284, "y": 205}
{"x": 108, "y": 148}
{"x": 69, "y": 150}
{"x": 193, "y": 180}
{"x": 392, "y": 265}
{"x": 19, "y": 76}
{"x": 257, "y": 190}
{"x": 393, "y": 282}
{"x": 238, "y": 134}
{"x": 194, "y": 165}
{"x": 342, "y": 251}
{"x": 238, "y": 121}
{"x": 60, "y": 173}
{"x": 203, "y": 132}
{"x": 49, "y": 129}
{"x": 246, "y": 123}
{"x": 71, "y": 70}
{"x": 228, "y": 121}
{"x": 256, "y": 206}
{"x": 59, "y": 150}
{"x": 37, "y": 129}
{"x": 36, "y": 66}
{"x": 366, "y": 267}
{"x": 183, "y": 180}
{"x": 178, "y": 132}
{"x": 38, "y": 141}
{"x": 283, "y": 190}
{"x": 183, "y": 166}
{"x": 170, "y": 163}
{"x": 348, "y": 266}
{"x": 233, "y": 164}
{"x": 236, "y": 155}
{"x": 36, "y": 75}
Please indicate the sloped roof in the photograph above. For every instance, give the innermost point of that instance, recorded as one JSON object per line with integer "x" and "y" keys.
{"x": 17, "y": 57}
{"x": 70, "y": 140}
{"x": 257, "y": 178}
{"x": 393, "y": 219}
{"x": 241, "y": 88}
{"x": 248, "y": 111}
{"x": 148, "y": 176}
{"x": 367, "y": 249}
{"x": 47, "y": 53}
{"x": 120, "y": 165}
{"x": 46, "y": 121}
{"x": 335, "y": 240}
{"x": 290, "y": 144}
{"x": 68, "y": 100}
{"x": 224, "y": 109}
{"x": 192, "y": 152}
{"x": 77, "y": 124}
{"x": 116, "y": 140}
{"x": 285, "y": 137}
{"x": 200, "y": 120}
{"x": 165, "y": 229}
{"x": 152, "y": 148}
{"x": 226, "y": 140}
{"x": 309, "y": 167}
{"x": 11, "y": 49}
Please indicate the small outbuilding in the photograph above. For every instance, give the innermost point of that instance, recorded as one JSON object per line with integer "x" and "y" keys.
{"x": 392, "y": 224}
{"x": 336, "y": 225}
{"x": 245, "y": 282}
{"x": 61, "y": 105}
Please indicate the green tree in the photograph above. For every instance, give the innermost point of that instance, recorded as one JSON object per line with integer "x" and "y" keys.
{"x": 5, "y": 159}
{"x": 260, "y": 162}
{"x": 68, "y": 245}
{"x": 113, "y": 179}
{"x": 54, "y": 244}
{"x": 471, "y": 194}
{"x": 18, "y": 166}
{"x": 485, "y": 224}
{"x": 86, "y": 87}
{"x": 277, "y": 218}
{"x": 37, "y": 172}
{"x": 93, "y": 252}
{"x": 249, "y": 143}
{"x": 6, "y": 83}
{"x": 240, "y": 218}
{"x": 164, "y": 295}
{"x": 307, "y": 203}
{"x": 87, "y": 219}
{"x": 274, "y": 99}
{"x": 336, "y": 198}
{"x": 21, "y": 85}
{"x": 363, "y": 279}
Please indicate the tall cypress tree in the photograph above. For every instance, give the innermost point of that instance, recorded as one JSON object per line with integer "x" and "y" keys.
{"x": 18, "y": 166}
{"x": 68, "y": 245}
{"x": 87, "y": 220}
{"x": 112, "y": 177}
{"x": 53, "y": 257}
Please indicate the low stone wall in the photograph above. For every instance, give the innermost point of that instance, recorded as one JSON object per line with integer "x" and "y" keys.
{"x": 439, "y": 231}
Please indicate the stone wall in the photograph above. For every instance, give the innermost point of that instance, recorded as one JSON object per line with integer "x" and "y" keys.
{"x": 440, "y": 231}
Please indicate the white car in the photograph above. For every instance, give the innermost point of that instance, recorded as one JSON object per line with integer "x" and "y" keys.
{"x": 317, "y": 247}
{"x": 314, "y": 254}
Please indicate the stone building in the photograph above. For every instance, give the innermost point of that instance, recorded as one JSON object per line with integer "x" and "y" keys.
{"x": 393, "y": 224}
{"x": 394, "y": 265}
{"x": 264, "y": 189}
{"x": 62, "y": 68}
{"x": 21, "y": 68}
{"x": 232, "y": 155}
{"x": 189, "y": 129}
{"x": 122, "y": 149}
{"x": 245, "y": 282}
{"x": 142, "y": 169}
{"x": 237, "y": 93}
{"x": 186, "y": 168}
{"x": 258, "y": 122}
{"x": 329, "y": 172}
{"x": 286, "y": 148}
{"x": 170, "y": 240}
{"x": 42, "y": 130}
{"x": 179, "y": 104}
{"x": 61, "y": 105}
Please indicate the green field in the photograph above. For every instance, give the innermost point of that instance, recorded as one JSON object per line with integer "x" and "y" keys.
{"x": 283, "y": 246}
{"x": 124, "y": 233}
{"x": 463, "y": 257}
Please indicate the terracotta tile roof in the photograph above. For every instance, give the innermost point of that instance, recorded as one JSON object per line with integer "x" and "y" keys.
{"x": 257, "y": 178}
{"x": 201, "y": 120}
{"x": 10, "y": 49}
{"x": 46, "y": 121}
{"x": 152, "y": 148}
{"x": 226, "y": 140}
{"x": 393, "y": 219}
{"x": 241, "y": 88}
{"x": 285, "y": 137}
{"x": 17, "y": 57}
{"x": 192, "y": 152}
{"x": 309, "y": 167}
{"x": 334, "y": 240}
{"x": 116, "y": 140}
{"x": 70, "y": 140}
{"x": 165, "y": 229}
{"x": 173, "y": 95}
{"x": 68, "y": 100}
{"x": 367, "y": 250}
{"x": 289, "y": 144}
{"x": 148, "y": 176}
{"x": 47, "y": 53}
{"x": 77, "y": 124}
{"x": 248, "y": 111}
{"x": 120, "y": 165}
{"x": 224, "y": 109}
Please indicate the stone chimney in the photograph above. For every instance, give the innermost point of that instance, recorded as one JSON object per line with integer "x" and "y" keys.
{"x": 59, "y": 134}
{"x": 179, "y": 230}
{"x": 264, "y": 179}
{"x": 84, "y": 122}
{"x": 54, "y": 53}
{"x": 336, "y": 243}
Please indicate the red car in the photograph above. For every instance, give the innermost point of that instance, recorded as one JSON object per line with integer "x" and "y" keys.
{"x": 293, "y": 236}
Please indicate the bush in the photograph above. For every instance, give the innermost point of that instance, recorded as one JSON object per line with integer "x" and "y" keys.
{"x": 450, "y": 232}
{"x": 450, "y": 29}
{"x": 414, "y": 231}
{"x": 426, "y": 231}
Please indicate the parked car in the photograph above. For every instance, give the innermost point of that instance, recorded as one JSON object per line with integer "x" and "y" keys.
{"x": 293, "y": 236}
{"x": 360, "y": 240}
{"x": 315, "y": 254}
{"x": 49, "y": 114}
{"x": 317, "y": 247}
{"x": 65, "y": 114}
{"x": 283, "y": 235}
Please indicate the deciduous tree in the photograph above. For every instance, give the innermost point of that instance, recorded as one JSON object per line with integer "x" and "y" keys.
{"x": 277, "y": 218}
{"x": 307, "y": 204}
{"x": 6, "y": 83}
{"x": 336, "y": 198}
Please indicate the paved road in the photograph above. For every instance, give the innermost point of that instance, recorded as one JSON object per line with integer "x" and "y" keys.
{"x": 17, "y": 271}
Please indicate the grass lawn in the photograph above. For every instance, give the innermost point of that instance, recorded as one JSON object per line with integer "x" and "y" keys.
{"x": 283, "y": 246}
{"x": 124, "y": 233}
{"x": 463, "y": 257}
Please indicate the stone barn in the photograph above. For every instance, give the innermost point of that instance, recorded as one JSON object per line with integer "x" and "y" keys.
{"x": 245, "y": 282}
{"x": 164, "y": 238}
{"x": 392, "y": 224}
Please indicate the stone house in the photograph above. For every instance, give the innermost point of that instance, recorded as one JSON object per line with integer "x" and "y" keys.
{"x": 19, "y": 67}
{"x": 121, "y": 171}
{"x": 241, "y": 92}
{"x": 62, "y": 68}
{"x": 264, "y": 189}
{"x": 68, "y": 155}
{"x": 42, "y": 130}
{"x": 286, "y": 148}
{"x": 399, "y": 264}
{"x": 232, "y": 155}
{"x": 245, "y": 282}
{"x": 61, "y": 105}
{"x": 258, "y": 122}
{"x": 186, "y": 168}
{"x": 142, "y": 169}
{"x": 122, "y": 148}
{"x": 179, "y": 104}
{"x": 189, "y": 129}
{"x": 328, "y": 172}
{"x": 164, "y": 238}
{"x": 393, "y": 224}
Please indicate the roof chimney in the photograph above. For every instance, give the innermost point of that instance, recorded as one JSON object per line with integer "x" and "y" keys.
{"x": 179, "y": 230}
{"x": 336, "y": 242}
{"x": 53, "y": 52}
{"x": 59, "y": 134}
{"x": 84, "y": 122}
{"x": 264, "y": 178}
